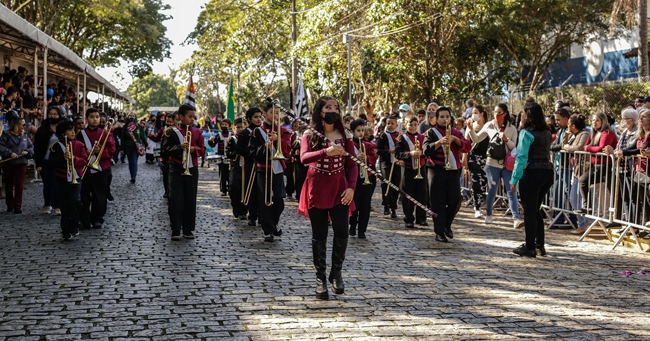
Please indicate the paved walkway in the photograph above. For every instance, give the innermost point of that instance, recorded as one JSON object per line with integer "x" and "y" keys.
{"x": 129, "y": 281}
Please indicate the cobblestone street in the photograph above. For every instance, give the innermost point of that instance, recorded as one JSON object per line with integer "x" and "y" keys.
{"x": 129, "y": 281}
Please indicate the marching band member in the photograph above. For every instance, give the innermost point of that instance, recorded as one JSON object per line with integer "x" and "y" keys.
{"x": 184, "y": 145}
{"x": 94, "y": 190}
{"x": 254, "y": 118}
{"x": 328, "y": 192}
{"x": 270, "y": 173}
{"x": 103, "y": 119}
{"x": 239, "y": 210}
{"x": 367, "y": 152}
{"x": 409, "y": 150}
{"x": 161, "y": 135}
{"x": 68, "y": 166}
{"x": 443, "y": 145}
{"x": 219, "y": 141}
{"x": 386, "y": 150}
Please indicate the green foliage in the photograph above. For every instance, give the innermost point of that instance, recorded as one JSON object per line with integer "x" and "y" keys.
{"x": 153, "y": 90}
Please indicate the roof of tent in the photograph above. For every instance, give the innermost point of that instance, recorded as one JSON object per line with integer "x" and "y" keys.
{"x": 20, "y": 39}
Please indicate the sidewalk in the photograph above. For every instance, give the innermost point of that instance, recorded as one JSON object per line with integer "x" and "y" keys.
{"x": 129, "y": 281}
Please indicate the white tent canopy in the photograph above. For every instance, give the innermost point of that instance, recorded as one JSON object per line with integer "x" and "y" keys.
{"x": 21, "y": 40}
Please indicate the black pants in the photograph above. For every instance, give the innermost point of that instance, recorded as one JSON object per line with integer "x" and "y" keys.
{"x": 252, "y": 205}
{"x": 319, "y": 221}
{"x": 533, "y": 187}
{"x": 224, "y": 177}
{"x": 165, "y": 176}
{"x": 390, "y": 200}
{"x": 270, "y": 214}
{"x": 182, "y": 198}
{"x": 597, "y": 174}
{"x": 70, "y": 206}
{"x": 362, "y": 201}
{"x": 301, "y": 174}
{"x": 418, "y": 190}
{"x": 238, "y": 208}
{"x": 289, "y": 173}
{"x": 94, "y": 190}
{"x": 445, "y": 198}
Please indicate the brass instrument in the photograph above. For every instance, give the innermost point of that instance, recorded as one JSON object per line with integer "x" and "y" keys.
{"x": 362, "y": 147}
{"x": 95, "y": 165}
{"x": 246, "y": 196}
{"x": 448, "y": 147}
{"x": 278, "y": 152}
{"x": 186, "y": 153}
{"x": 268, "y": 198}
{"x": 418, "y": 176}
{"x": 70, "y": 161}
{"x": 390, "y": 175}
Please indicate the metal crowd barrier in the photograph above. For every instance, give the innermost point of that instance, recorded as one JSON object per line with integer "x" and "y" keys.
{"x": 633, "y": 206}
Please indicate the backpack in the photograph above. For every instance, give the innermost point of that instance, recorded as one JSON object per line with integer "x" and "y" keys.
{"x": 496, "y": 148}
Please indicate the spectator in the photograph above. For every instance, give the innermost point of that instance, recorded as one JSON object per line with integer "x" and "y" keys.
{"x": 626, "y": 147}
{"x": 474, "y": 161}
{"x": 17, "y": 146}
{"x": 577, "y": 142}
{"x": 470, "y": 108}
{"x": 431, "y": 118}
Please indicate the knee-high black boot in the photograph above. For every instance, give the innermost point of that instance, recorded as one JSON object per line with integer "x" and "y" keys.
{"x": 338, "y": 256}
{"x": 319, "y": 250}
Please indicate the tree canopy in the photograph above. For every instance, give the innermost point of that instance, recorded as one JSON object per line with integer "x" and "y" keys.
{"x": 153, "y": 90}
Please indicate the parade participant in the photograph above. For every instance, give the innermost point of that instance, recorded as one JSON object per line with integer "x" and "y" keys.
{"x": 170, "y": 122}
{"x": 134, "y": 143}
{"x": 270, "y": 173}
{"x": 386, "y": 150}
{"x": 367, "y": 152}
{"x": 409, "y": 150}
{"x": 328, "y": 192}
{"x": 219, "y": 141}
{"x": 45, "y": 138}
{"x": 103, "y": 120}
{"x": 79, "y": 123}
{"x": 184, "y": 145}
{"x": 69, "y": 164}
{"x": 236, "y": 164}
{"x": 443, "y": 145}
{"x": 534, "y": 170}
{"x": 249, "y": 182}
{"x": 299, "y": 167}
{"x": 99, "y": 144}
{"x": 15, "y": 149}
{"x": 289, "y": 163}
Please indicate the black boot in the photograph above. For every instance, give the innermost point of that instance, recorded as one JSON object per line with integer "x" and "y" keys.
{"x": 338, "y": 256}
{"x": 319, "y": 250}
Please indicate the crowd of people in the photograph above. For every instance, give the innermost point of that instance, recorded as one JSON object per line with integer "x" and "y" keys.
{"x": 429, "y": 161}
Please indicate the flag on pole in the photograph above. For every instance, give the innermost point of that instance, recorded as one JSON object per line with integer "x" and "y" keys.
{"x": 301, "y": 101}
{"x": 189, "y": 95}
{"x": 230, "y": 112}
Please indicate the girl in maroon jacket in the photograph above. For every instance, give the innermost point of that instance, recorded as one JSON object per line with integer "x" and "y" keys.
{"x": 328, "y": 191}
{"x": 70, "y": 192}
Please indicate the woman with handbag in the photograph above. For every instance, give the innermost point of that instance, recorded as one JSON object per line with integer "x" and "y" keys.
{"x": 577, "y": 141}
{"x": 134, "y": 143}
{"x": 503, "y": 138}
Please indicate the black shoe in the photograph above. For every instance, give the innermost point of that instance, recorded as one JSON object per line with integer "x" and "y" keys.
{"x": 165, "y": 196}
{"x": 410, "y": 225}
{"x": 188, "y": 235}
{"x": 268, "y": 237}
{"x": 337, "y": 283}
{"x": 242, "y": 217}
{"x": 422, "y": 223}
{"x": 386, "y": 211}
{"x": 561, "y": 227}
{"x": 97, "y": 225}
{"x": 10, "y": 209}
{"x": 441, "y": 238}
{"x": 321, "y": 289}
{"x": 75, "y": 232}
{"x": 85, "y": 227}
{"x": 223, "y": 194}
{"x": 176, "y": 237}
{"x": 67, "y": 237}
{"x": 540, "y": 251}
{"x": 449, "y": 234}
{"x": 353, "y": 231}
{"x": 132, "y": 181}
{"x": 393, "y": 214}
{"x": 278, "y": 233}
{"x": 110, "y": 197}
{"x": 252, "y": 223}
{"x": 524, "y": 251}
{"x": 362, "y": 235}
{"x": 18, "y": 211}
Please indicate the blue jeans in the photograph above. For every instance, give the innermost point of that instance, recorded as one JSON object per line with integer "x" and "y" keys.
{"x": 132, "y": 156}
{"x": 562, "y": 183}
{"x": 576, "y": 201}
{"x": 495, "y": 174}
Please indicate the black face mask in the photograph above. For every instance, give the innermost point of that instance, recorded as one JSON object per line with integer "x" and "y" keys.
{"x": 225, "y": 130}
{"x": 331, "y": 117}
{"x": 54, "y": 120}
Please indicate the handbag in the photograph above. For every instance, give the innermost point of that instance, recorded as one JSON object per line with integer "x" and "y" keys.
{"x": 511, "y": 157}
{"x": 641, "y": 178}
{"x": 496, "y": 148}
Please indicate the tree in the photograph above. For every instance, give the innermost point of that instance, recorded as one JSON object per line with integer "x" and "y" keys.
{"x": 103, "y": 32}
{"x": 153, "y": 90}
{"x": 632, "y": 8}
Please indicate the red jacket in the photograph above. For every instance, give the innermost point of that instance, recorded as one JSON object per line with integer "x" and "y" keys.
{"x": 88, "y": 138}
{"x": 607, "y": 138}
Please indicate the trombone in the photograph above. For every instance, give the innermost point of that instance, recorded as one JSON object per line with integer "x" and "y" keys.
{"x": 418, "y": 160}
{"x": 186, "y": 153}
{"x": 362, "y": 147}
{"x": 94, "y": 164}
{"x": 70, "y": 162}
{"x": 268, "y": 171}
{"x": 390, "y": 175}
{"x": 448, "y": 147}
{"x": 278, "y": 152}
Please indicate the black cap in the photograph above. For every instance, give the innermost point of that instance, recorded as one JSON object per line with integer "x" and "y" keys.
{"x": 647, "y": 99}
{"x": 641, "y": 99}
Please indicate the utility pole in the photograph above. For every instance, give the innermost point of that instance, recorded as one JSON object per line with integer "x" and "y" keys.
{"x": 347, "y": 39}
{"x": 294, "y": 62}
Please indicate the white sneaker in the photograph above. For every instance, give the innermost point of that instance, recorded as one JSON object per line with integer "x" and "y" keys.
{"x": 477, "y": 214}
{"x": 57, "y": 211}
{"x": 517, "y": 223}
{"x": 488, "y": 219}
{"x": 47, "y": 209}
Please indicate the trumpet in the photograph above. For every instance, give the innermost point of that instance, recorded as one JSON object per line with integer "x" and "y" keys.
{"x": 362, "y": 147}
{"x": 186, "y": 153}
{"x": 417, "y": 160}
{"x": 448, "y": 147}
{"x": 70, "y": 162}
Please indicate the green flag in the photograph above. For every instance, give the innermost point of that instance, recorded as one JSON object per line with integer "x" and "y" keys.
{"x": 230, "y": 113}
